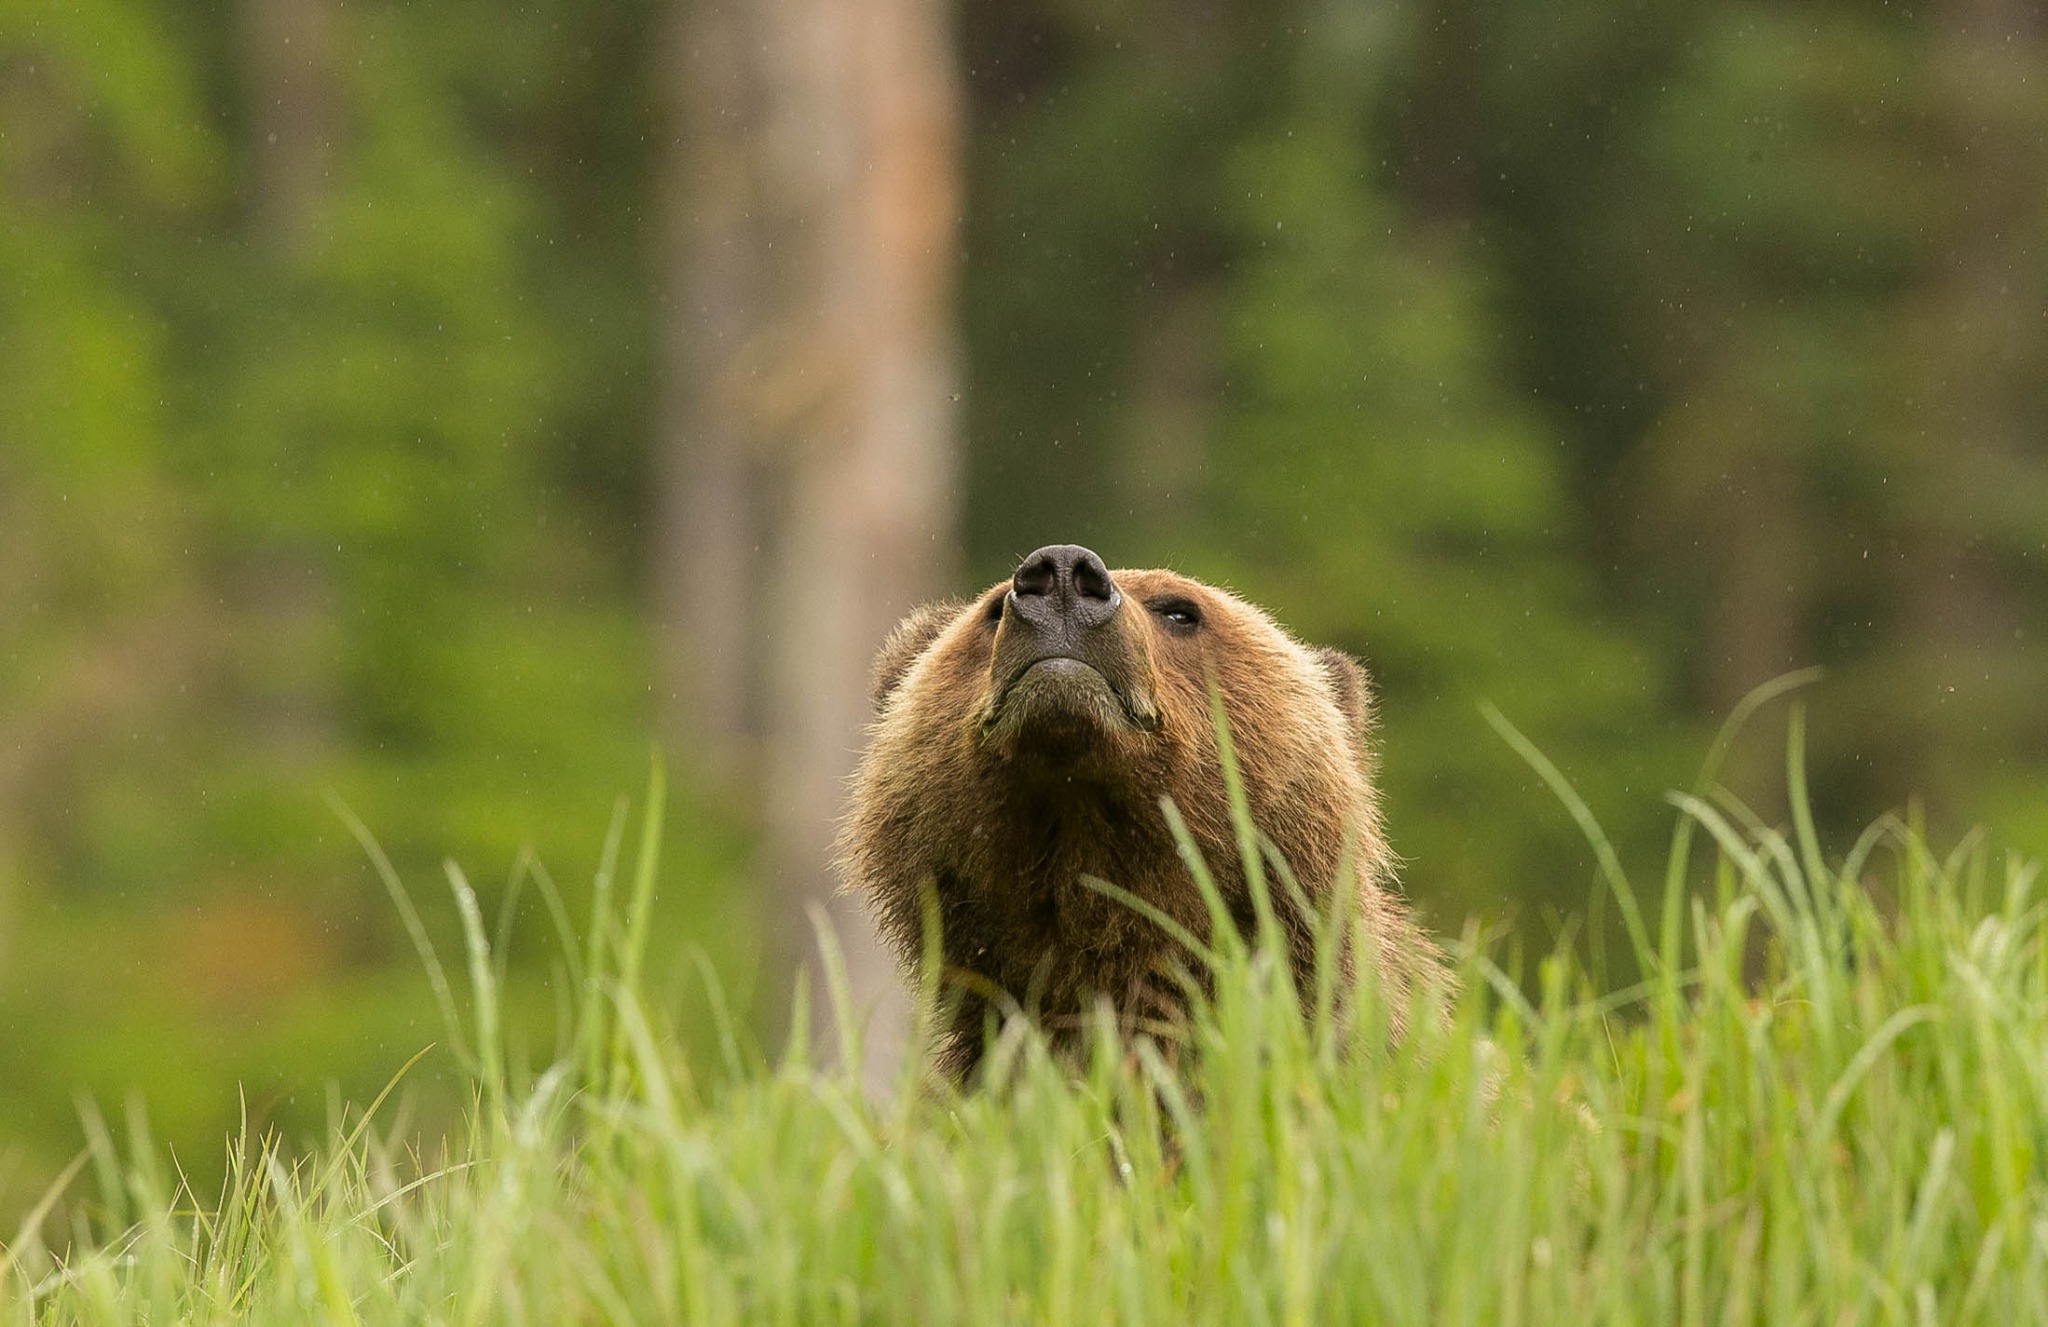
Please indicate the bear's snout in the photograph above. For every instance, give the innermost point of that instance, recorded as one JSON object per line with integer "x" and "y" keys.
{"x": 1066, "y": 663}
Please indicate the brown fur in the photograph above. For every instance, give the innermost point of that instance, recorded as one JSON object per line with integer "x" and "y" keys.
{"x": 997, "y": 817}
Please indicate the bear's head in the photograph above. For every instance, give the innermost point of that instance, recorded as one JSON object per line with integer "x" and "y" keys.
{"x": 1029, "y": 739}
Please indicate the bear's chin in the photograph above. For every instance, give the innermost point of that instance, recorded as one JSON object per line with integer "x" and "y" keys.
{"x": 1058, "y": 710}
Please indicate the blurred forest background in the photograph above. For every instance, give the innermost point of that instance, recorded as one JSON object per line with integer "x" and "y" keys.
{"x": 437, "y": 405}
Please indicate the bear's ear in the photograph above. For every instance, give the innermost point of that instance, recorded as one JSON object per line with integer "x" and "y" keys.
{"x": 1353, "y": 692}
{"x": 905, "y": 643}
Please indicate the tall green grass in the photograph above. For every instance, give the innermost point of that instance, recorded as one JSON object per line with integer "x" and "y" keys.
{"x": 1825, "y": 1101}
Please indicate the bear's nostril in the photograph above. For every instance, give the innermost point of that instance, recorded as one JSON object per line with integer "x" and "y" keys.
{"x": 1091, "y": 578}
{"x": 1040, "y": 574}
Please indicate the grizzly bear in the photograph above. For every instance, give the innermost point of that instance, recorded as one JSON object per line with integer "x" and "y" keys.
{"x": 1027, "y": 740}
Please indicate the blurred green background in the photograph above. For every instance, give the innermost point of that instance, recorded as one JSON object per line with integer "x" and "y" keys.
{"x": 438, "y": 406}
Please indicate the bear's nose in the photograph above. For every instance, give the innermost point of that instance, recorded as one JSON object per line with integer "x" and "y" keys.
{"x": 1064, "y": 583}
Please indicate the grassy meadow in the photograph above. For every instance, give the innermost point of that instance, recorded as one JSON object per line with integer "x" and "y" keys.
{"x": 1823, "y": 1101}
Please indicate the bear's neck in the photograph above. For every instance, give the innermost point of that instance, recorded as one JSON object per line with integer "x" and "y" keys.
{"x": 1018, "y": 907}
{"x": 1055, "y": 832}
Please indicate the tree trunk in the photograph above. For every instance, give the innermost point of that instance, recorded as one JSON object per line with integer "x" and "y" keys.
{"x": 282, "y": 592}
{"x": 1975, "y": 360}
{"x": 813, "y": 377}
{"x": 720, "y": 314}
{"x": 288, "y": 56}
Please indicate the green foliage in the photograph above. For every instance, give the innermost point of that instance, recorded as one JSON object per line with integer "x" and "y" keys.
{"x": 1817, "y": 1107}
{"x": 1853, "y": 283}
{"x": 283, "y": 513}
{"x": 1600, "y": 364}
{"x": 1385, "y": 494}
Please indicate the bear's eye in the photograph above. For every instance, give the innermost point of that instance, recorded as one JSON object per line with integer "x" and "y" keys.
{"x": 994, "y": 611}
{"x": 1181, "y": 614}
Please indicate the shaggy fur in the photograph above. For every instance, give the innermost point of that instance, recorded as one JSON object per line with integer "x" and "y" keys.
{"x": 993, "y": 786}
